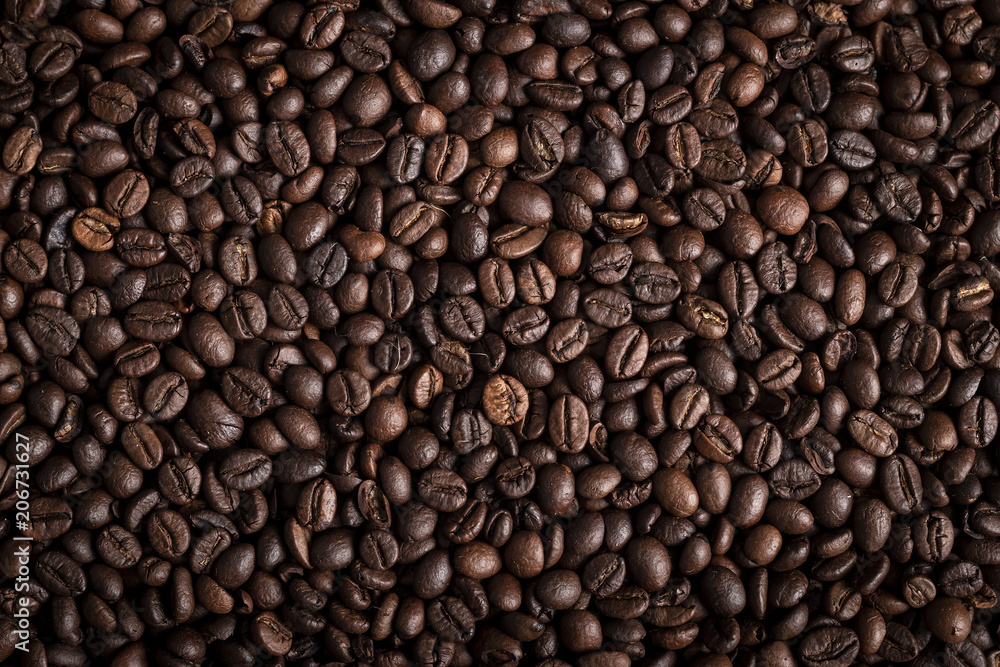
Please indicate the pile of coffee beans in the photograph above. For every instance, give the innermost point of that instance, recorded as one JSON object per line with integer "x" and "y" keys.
{"x": 500, "y": 332}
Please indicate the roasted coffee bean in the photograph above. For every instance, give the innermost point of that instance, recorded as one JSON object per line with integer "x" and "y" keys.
{"x": 703, "y": 316}
{"x": 192, "y": 176}
{"x": 25, "y": 260}
{"x": 442, "y": 489}
{"x": 901, "y": 483}
{"x": 113, "y": 102}
{"x": 165, "y": 396}
{"x": 834, "y": 645}
{"x": 718, "y": 439}
{"x": 246, "y": 391}
{"x": 127, "y": 193}
{"x": 244, "y": 470}
{"x": 117, "y": 547}
{"x": 288, "y": 147}
{"x": 142, "y": 445}
{"x": 872, "y": 433}
{"x": 52, "y": 329}
{"x": 505, "y": 400}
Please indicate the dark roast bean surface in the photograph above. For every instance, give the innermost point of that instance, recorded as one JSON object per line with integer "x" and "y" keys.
{"x": 532, "y": 332}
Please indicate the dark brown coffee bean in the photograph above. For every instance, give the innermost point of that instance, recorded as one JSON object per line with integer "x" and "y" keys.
{"x": 974, "y": 125}
{"x": 654, "y": 283}
{"x": 113, "y": 102}
{"x": 445, "y": 158}
{"x": 117, "y": 547}
{"x": 901, "y": 483}
{"x": 21, "y": 150}
{"x": 829, "y": 646}
{"x": 288, "y": 147}
{"x": 567, "y": 340}
{"x": 142, "y": 445}
{"x": 718, "y": 439}
{"x": 166, "y": 396}
{"x": 192, "y": 176}
{"x": 53, "y": 330}
{"x": 703, "y": 316}
{"x": 872, "y": 433}
{"x": 442, "y": 489}
{"x": 568, "y": 423}
{"x": 244, "y": 470}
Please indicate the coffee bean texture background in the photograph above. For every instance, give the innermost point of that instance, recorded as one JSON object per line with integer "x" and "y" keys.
{"x": 449, "y": 333}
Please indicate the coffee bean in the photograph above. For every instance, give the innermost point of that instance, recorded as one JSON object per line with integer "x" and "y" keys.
{"x": 442, "y": 489}
{"x": 608, "y": 308}
{"x": 117, "y": 547}
{"x": 974, "y": 125}
{"x": 627, "y": 351}
{"x": 718, "y": 439}
{"x": 902, "y": 484}
{"x": 950, "y": 620}
{"x": 839, "y": 642}
{"x": 113, "y": 102}
{"x": 52, "y": 329}
{"x": 287, "y": 145}
{"x": 675, "y": 492}
{"x": 872, "y": 433}
{"x": 654, "y": 283}
{"x": 192, "y": 176}
{"x": 505, "y": 400}
{"x": 568, "y": 423}
{"x": 21, "y": 150}
{"x": 782, "y": 209}
{"x": 271, "y": 634}
{"x": 244, "y": 470}
{"x": 246, "y": 391}
{"x": 168, "y": 533}
{"x": 166, "y": 396}
{"x": 142, "y": 445}
{"x": 703, "y": 316}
